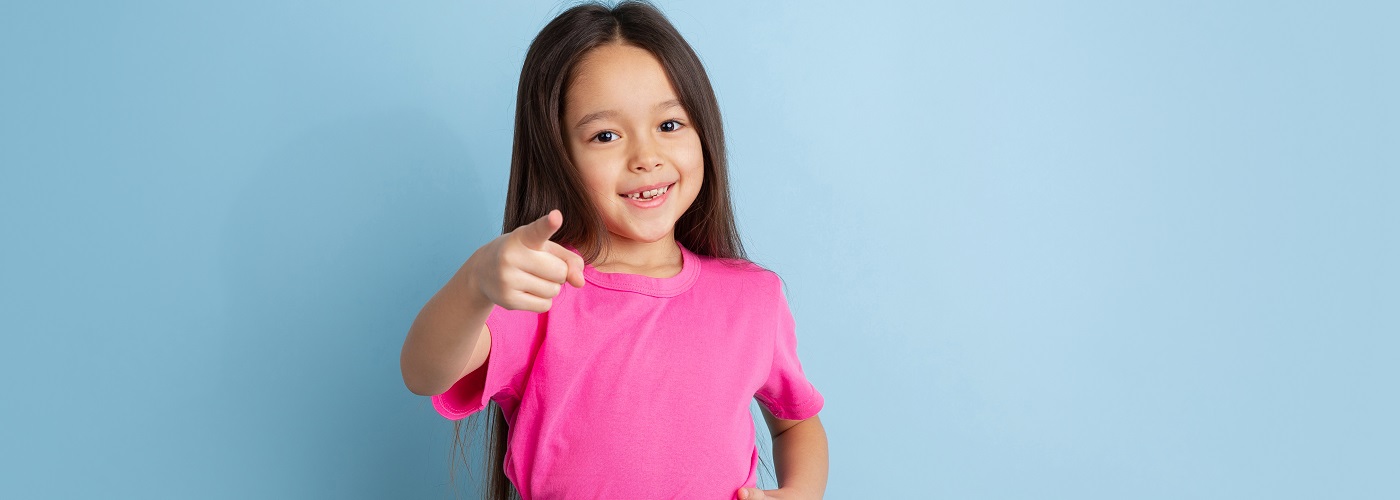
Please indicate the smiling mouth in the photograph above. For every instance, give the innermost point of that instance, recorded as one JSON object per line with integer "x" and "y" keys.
{"x": 649, "y": 194}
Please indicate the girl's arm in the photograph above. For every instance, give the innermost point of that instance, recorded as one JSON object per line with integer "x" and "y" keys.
{"x": 800, "y": 456}
{"x": 448, "y": 339}
{"x": 519, "y": 270}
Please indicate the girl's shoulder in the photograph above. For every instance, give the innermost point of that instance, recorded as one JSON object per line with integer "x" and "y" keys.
{"x": 735, "y": 265}
{"x": 740, "y": 269}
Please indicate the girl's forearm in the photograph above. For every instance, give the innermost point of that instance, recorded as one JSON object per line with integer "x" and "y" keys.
{"x": 444, "y": 337}
{"x": 800, "y": 456}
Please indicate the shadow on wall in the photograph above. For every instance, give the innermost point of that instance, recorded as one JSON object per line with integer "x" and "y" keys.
{"x": 329, "y": 252}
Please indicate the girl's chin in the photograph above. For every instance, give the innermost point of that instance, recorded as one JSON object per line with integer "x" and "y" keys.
{"x": 644, "y": 234}
{"x": 648, "y": 237}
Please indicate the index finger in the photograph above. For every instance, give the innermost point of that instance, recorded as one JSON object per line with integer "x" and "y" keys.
{"x": 535, "y": 234}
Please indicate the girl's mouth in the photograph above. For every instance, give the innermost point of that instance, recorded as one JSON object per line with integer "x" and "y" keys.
{"x": 651, "y": 198}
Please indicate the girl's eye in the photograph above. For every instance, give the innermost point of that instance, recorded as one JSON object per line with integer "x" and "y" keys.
{"x": 610, "y": 136}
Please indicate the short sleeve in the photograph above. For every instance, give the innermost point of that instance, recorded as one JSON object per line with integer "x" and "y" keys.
{"x": 787, "y": 393}
{"x": 514, "y": 334}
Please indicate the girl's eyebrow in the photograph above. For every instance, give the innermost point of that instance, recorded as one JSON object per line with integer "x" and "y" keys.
{"x": 608, "y": 113}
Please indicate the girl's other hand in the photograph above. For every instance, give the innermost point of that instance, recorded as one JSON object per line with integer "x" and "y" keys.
{"x": 522, "y": 269}
{"x": 757, "y": 494}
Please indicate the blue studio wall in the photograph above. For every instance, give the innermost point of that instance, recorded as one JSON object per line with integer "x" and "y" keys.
{"x": 1089, "y": 250}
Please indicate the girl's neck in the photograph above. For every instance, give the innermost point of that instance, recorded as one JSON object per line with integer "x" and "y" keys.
{"x": 656, "y": 259}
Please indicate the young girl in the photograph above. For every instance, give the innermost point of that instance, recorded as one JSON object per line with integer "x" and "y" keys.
{"x": 635, "y": 380}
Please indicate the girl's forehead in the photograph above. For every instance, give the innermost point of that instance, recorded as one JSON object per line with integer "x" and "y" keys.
{"x": 617, "y": 53}
{"x": 619, "y": 74}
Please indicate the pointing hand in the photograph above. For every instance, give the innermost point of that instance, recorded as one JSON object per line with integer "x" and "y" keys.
{"x": 523, "y": 269}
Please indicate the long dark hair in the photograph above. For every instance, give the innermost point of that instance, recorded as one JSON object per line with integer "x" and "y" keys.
{"x": 542, "y": 177}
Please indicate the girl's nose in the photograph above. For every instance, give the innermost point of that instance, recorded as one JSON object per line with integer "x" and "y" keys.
{"x": 646, "y": 158}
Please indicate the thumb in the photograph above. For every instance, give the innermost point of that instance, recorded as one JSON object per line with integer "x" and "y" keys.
{"x": 535, "y": 234}
{"x": 751, "y": 494}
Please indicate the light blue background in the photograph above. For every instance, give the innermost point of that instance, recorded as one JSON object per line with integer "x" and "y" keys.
{"x": 1090, "y": 250}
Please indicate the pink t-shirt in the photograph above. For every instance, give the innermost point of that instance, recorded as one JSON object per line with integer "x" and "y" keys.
{"x": 639, "y": 387}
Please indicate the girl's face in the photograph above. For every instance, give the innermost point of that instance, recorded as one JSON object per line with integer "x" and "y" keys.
{"x": 627, "y": 132}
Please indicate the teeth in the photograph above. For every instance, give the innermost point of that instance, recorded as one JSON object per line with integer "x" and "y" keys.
{"x": 648, "y": 194}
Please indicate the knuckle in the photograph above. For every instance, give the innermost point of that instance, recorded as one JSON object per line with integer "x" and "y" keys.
{"x": 510, "y": 278}
{"x": 508, "y": 259}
